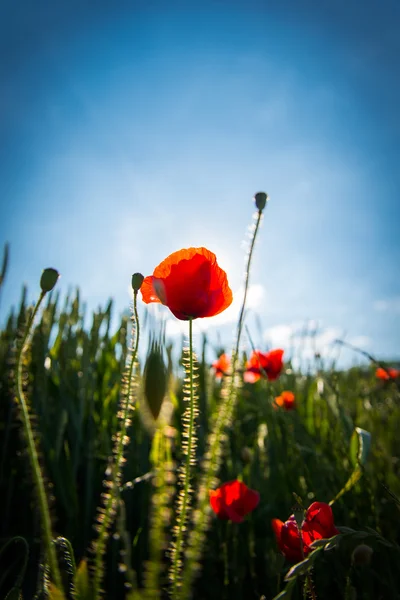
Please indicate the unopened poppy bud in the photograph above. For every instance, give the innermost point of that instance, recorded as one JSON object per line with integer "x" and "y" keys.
{"x": 247, "y": 454}
{"x": 261, "y": 200}
{"x": 49, "y": 279}
{"x": 298, "y": 512}
{"x": 155, "y": 380}
{"x": 362, "y": 555}
{"x": 137, "y": 280}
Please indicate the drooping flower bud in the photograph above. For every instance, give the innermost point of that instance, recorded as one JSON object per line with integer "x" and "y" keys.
{"x": 137, "y": 280}
{"x": 49, "y": 279}
{"x": 155, "y": 380}
{"x": 362, "y": 555}
{"x": 299, "y": 513}
{"x": 298, "y": 510}
{"x": 261, "y": 200}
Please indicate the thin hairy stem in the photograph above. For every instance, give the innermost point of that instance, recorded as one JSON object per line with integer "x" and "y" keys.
{"x": 33, "y": 456}
{"x": 213, "y": 455}
{"x": 108, "y": 512}
{"x": 367, "y": 355}
{"x": 246, "y": 284}
{"x": 184, "y": 498}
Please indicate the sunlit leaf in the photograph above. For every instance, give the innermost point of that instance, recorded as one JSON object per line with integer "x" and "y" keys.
{"x": 298, "y": 569}
{"x": 359, "y": 449}
{"x": 55, "y": 593}
{"x": 360, "y": 444}
{"x": 82, "y": 582}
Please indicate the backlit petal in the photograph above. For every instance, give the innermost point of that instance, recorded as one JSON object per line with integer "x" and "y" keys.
{"x": 148, "y": 292}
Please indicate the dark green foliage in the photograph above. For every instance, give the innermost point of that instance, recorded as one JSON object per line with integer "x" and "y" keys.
{"x": 74, "y": 371}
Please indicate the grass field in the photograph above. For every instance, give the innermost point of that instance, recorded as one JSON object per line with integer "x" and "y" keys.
{"x": 128, "y": 451}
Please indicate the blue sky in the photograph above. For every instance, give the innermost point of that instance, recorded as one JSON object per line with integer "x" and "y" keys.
{"x": 133, "y": 129}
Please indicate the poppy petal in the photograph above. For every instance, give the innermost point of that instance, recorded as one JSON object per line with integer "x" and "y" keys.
{"x": 217, "y": 504}
{"x": 233, "y": 500}
{"x": 148, "y": 292}
{"x": 233, "y": 515}
{"x": 319, "y": 521}
{"x": 290, "y": 538}
{"x": 250, "y": 377}
{"x": 190, "y": 283}
{"x": 250, "y": 500}
{"x": 277, "y": 525}
{"x": 221, "y": 366}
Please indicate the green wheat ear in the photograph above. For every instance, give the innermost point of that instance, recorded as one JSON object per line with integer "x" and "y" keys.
{"x": 113, "y": 476}
{"x": 163, "y": 469}
{"x": 189, "y": 442}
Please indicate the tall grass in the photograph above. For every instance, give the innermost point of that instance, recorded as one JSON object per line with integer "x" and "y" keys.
{"x": 340, "y": 445}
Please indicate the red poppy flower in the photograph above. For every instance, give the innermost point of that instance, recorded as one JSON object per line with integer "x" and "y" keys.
{"x": 386, "y": 374}
{"x": 221, "y": 365}
{"x": 318, "y": 524}
{"x": 286, "y": 400}
{"x": 190, "y": 283}
{"x": 260, "y": 363}
{"x": 233, "y": 501}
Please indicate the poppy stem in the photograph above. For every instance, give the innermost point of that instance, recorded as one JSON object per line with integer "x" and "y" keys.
{"x": 114, "y": 471}
{"x": 246, "y": 286}
{"x": 213, "y": 457}
{"x": 34, "y": 459}
{"x": 184, "y": 495}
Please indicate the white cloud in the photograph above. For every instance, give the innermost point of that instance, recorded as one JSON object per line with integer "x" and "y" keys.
{"x": 279, "y": 335}
{"x": 306, "y": 338}
{"x": 388, "y": 305}
{"x": 360, "y": 341}
{"x": 255, "y": 296}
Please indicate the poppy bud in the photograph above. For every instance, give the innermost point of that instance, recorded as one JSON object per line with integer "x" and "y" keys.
{"x": 49, "y": 279}
{"x": 298, "y": 512}
{"x": 137, "y": 280}
{"x": 155, "y": 380}
{"x": 261, "y": 200}
{"x": 362, "y": 555}
{"x": 247, "y": 455}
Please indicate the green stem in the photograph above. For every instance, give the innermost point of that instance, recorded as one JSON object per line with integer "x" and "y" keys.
{"x": 246, "y": 284}
{"x": 113, "y": 494}
{"x": 223, "y": 418}
{"x": 33, "y": 456}
{"x": 186, "y": 475}
{"x": 220, "y": 424}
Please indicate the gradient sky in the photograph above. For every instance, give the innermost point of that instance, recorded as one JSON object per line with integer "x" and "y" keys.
{"x": 129, "y": 130}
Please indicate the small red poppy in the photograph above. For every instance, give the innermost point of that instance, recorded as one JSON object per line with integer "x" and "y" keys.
{"x": 286, "y": 401}
{"x": 318, "y": 524}
{"x": 386, "y": 374}
{"x": 190, "y": 283}
{"x": 221, "y": 366}
{"x": 260, "y": 363}
{"x": 233, "y": 501}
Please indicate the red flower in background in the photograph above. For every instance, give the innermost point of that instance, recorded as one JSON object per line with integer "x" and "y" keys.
{"x": 233, "y": 501}
{"x": 221, "y": 365}
{"x": 386, "y": 374}
{"x": 190, "y": 283}
{"x": 318, "y": 524}
{"x": 269, "y": 362}
{"x": 286, "y": 401}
